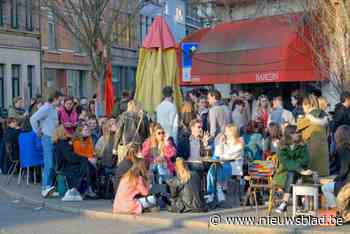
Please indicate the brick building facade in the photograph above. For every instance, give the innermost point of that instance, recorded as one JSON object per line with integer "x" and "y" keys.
{"x": 20, "y": 51}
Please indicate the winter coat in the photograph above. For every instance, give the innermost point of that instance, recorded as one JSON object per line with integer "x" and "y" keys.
{"x": 127, "y": 126}
{"x": 68, "y": 117}
{"x": 105, "y": 153}
{"x": 184, "y": 147}
{"x": 11, "y": 139}
{"x": 125, "y": 199}
{"x": 343, "y": 159}
{"x": 150, "y": 154}
{"x": 314, "y": 132}
{"x": 219, "y": 117}
{"x": 75, "y": 168}
{"x": 341, "y": 116}
{"x": 186, "y": 197}
{"x": 17, "y": 113}
{"x": 203, "y": 115}
{"x": 295, "y": 160}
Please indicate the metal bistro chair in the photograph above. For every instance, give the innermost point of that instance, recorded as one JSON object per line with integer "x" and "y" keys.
{"x": 260, "y": 173}
{"x": 13, "y": 160}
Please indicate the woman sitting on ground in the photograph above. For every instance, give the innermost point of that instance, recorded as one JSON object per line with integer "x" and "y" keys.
{"x": 293, "y": 163}
{"x": 330, "y": 190}
{"x": 134, "y": 152}
{"x": 185, "y": 190}
{"x": 159, "y": 152}
{"x": 76, "y": 169}
{"x": 132, "y": 185}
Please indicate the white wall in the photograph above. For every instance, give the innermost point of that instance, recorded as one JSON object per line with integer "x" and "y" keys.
{"x": 23, "y": 58}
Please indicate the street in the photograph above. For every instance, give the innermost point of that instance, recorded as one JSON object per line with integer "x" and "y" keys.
{"x": 20, "y": 217}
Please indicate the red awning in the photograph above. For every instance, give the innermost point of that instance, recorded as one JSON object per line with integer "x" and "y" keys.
{"x": 266, "y": 49}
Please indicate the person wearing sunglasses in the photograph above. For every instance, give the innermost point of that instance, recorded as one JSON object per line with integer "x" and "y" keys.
{"x": 158, "y": 152}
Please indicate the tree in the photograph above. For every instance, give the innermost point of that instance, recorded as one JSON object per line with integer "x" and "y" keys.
{"x": 96, "y": 25}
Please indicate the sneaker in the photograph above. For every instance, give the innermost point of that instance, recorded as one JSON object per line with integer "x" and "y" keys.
{"x": 68, "y": 196}
{"x": 47, "y": 192}
{"x": 281, "y": 208}
{"x": 76, "y": 195}
{"x": 55, "y": 194}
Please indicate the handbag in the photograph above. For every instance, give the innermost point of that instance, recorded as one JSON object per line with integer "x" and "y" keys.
{"x": 122, "y": 150}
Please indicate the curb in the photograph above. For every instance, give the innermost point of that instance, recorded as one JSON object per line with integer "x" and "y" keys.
{"x": 149, "y": 220}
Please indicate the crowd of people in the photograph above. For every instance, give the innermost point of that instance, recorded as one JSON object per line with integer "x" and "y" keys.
{"x": 157, "y": 162}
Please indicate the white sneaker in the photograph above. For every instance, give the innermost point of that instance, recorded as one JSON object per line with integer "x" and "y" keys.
{"x": 47, "y": 192}
{"x": 209, "y": 198}
{"x": 72, "y": 195}
{"x": 76, "y": 194}
{"x": 68, "y": 196}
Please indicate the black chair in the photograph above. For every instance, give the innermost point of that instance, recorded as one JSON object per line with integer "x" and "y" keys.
{"x": 14, "y": 161}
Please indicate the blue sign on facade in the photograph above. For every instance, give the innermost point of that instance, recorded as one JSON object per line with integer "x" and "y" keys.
{"x": 187, "y": 50}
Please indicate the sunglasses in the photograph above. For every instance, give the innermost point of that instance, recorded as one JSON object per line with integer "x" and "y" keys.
{"x": 160, "y": 133}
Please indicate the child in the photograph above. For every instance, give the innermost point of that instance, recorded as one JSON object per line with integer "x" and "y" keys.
{"x": 293, "y": 163}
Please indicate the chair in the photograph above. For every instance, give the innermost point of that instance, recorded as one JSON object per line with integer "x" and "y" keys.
{"x": 260, "y": 173}
{"x": 30, "y": 153}
{"x": 14, "y": 162}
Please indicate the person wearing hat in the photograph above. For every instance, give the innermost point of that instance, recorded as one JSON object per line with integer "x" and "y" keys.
{"x": 167, "y": 115}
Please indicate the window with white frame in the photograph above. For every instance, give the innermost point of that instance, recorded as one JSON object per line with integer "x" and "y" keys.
{"x": 51, "y": 32}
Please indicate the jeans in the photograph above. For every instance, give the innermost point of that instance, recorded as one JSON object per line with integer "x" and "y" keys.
{"x": 161, "y": 173}
{"x": 48, "y": 172}
{"x": 328, "y": 192}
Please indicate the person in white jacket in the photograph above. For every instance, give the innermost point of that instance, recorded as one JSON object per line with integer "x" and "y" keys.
{"x": 167, "y": 115}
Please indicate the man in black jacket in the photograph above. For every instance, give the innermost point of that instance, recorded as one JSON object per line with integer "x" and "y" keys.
{"x": 342, "y": 111}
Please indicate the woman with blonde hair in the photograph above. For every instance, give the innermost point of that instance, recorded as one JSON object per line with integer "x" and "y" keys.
{"x": 263, "y": 109}
{"x": 185, "y": 190}
{"x": 76, "y": 169}
{"x": 158, "y": 152}
{"x": 313, "y": 127}
{"x": 187, "y": 113}
{"x": 104, "y": 146}
{"x": 229, "y": 146}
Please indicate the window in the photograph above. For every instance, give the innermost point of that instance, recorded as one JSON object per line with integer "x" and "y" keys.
{"x": 51, "y": 34}
{"x": 14, "y": 13}
{"x": 124, "y": 78}
{"x": 29, "y": 15}
{"x": 15, "y": 80}
{"x": 2, "y": 86}
{"x": 179, "y": 15}
{"x": 30, "y": 80}
{"x": 78, "y": 48}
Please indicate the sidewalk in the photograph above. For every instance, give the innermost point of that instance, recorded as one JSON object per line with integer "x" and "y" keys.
{"x": 101, "y": 209}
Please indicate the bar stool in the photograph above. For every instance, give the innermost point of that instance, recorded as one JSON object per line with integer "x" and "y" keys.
{"x": 306, "y": 190}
